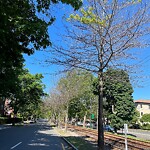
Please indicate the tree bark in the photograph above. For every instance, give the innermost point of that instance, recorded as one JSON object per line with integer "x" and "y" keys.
{"x": 84, "y": 120}
{"x": 66, "y": 119}
{"x": 100, "y": 113}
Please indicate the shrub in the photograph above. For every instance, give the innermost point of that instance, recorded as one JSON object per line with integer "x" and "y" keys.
{"x": 145, "y": 118}
{"x": 3, "y": 120}
{"x": 135, "y": 126}
{"x": 145, "y": 126}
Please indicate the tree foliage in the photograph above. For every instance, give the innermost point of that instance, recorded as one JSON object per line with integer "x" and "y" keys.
{"x": 145, "y": 118}
{"x": 74, "y": 95}
{"x": 23, "y": 30}
{"x": 119, "y": 107}
{"x": 119, "y": 100}
{"x": 85, "y": 99}
{"x": 31, "y": 91}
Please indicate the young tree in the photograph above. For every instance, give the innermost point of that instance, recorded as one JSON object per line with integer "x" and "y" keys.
{"x": 101, "y": 35}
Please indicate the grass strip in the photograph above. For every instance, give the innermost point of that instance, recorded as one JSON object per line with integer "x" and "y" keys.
{"x": 81, "y": 143}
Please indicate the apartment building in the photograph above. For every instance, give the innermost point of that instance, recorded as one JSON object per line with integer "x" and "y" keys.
{"x": 143, "y": 106}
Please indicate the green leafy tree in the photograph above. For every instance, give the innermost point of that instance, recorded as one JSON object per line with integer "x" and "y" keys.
{"x": 145, "y": 122}
{"x": 119, "y": 100}
{"x": 20, "y": 25}
{"x": 68, "y": 86}
{"x": 84, "y": 102}
{"x": 76, "y": 94}
{"x": 30, "y": 94}
{"x": 22, "y": 30}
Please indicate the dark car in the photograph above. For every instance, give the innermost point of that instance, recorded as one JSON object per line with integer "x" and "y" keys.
{"x": 108, "y": 128}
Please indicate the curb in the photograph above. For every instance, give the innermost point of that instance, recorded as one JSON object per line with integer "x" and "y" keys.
{"x": 74, "y": 148}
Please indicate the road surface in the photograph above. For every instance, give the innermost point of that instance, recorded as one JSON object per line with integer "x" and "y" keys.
{"x": 31, "y": 137}
{"x": 140, "y": 134}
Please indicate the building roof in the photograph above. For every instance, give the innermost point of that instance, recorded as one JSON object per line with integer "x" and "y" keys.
{"x": 142, "y": 101}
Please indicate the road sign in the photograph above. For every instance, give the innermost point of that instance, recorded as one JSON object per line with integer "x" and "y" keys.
{"x": 92, "y": 116}
{"x": 125, "y": 132}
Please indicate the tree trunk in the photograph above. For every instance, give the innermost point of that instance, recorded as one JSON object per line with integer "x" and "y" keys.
{"x": 66, "y": 119}
{"x": 59, "y": 120}
{"x": 84, "y": 120}
{"x": 100, "y": 113}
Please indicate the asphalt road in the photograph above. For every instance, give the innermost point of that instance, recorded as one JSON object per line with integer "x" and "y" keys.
{"x": 31, "y": 137}
{"x": 140, "y": 134}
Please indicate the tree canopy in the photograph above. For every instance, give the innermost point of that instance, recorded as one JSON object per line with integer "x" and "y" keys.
{"x": 73, "y": 95}
{"x": 30, "y": 93}
{"x": 23, "y": 30}
{"x": 119, "y": 103}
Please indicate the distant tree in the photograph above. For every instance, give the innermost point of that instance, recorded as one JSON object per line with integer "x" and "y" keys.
{"x": 84, "y": 102}
{"x": 73, "y": 95}
{"x": 68, "y": 87}
{"x": 54, "y": 104}
{"x": 75, "y": 108}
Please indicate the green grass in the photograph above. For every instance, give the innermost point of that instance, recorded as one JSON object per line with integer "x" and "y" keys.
{"x": 81, "y": 143}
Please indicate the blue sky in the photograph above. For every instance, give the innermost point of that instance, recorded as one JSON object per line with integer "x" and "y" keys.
{"x": 35, "y": 63}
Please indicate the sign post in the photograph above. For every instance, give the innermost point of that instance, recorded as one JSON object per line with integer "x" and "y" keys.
{"x": 125, "y": 132}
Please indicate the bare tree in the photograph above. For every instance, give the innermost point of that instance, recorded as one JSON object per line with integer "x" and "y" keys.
{"x": 54, "y": 104}
{"x": 103, "y": 34}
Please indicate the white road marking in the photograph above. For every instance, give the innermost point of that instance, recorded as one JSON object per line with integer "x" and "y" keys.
{"x": 16, "y": 145}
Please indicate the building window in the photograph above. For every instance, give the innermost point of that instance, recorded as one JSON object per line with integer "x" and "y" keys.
{"x": 141, "y": 105}
{"x": 141, "y": 113}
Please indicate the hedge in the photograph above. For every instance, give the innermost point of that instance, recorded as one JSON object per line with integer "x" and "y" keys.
{"x": 4, "y": 120}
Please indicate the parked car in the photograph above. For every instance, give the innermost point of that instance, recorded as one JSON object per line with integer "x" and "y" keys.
{"x": 92, "y": 125}
{"x": 79, "y": 123}
{"x": 108, "y": 128}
